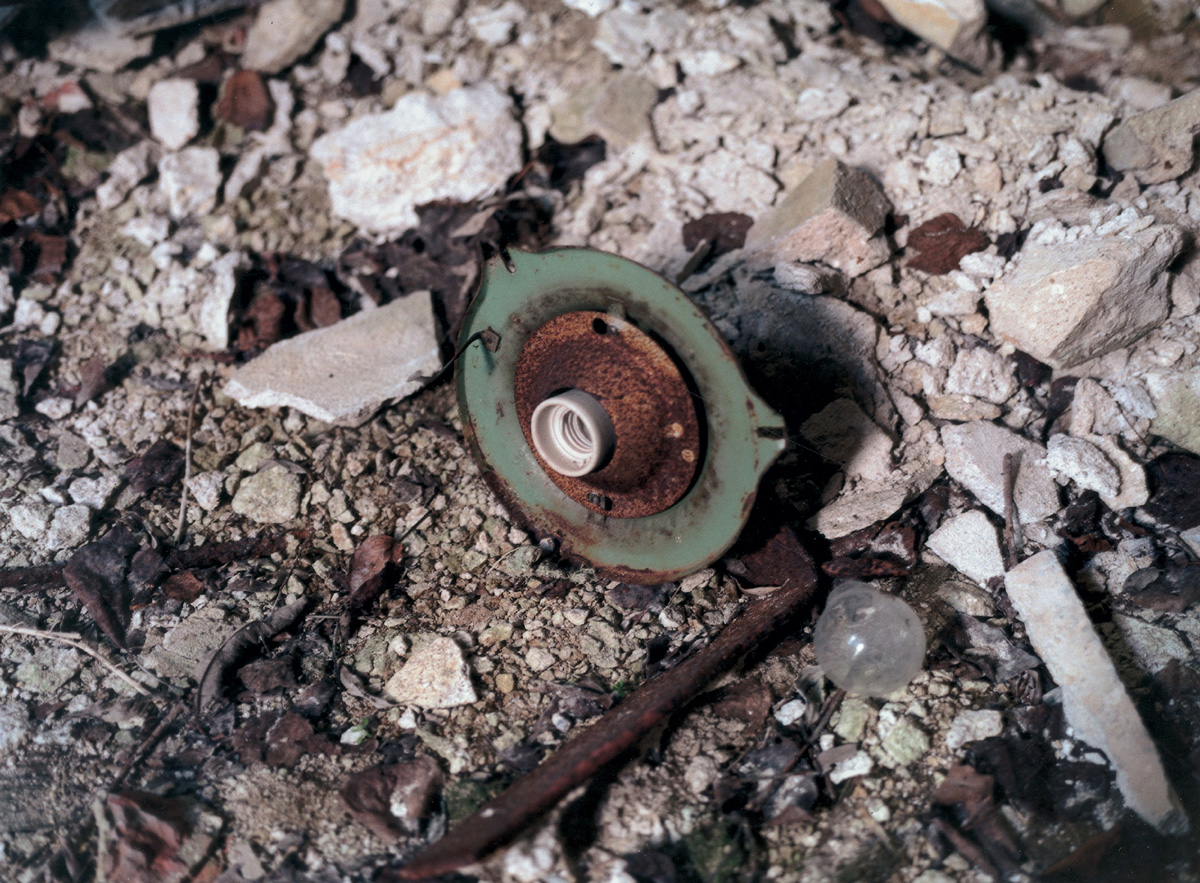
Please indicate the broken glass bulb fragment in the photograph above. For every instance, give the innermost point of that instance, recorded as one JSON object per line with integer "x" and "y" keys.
{"x": 867, "y": 641}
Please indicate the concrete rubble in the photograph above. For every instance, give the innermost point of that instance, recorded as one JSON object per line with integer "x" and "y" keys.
{"x": 344, "y": 373}
{"x": 975, "y": 458}
{"x": 1157, "y": 145}
{"x": 435, "y": 675}
{"x": 190, "y": 180}
{"x": 1094, "y": 699}
{"x": 1073, "y": 294}
{"x": 460, "y": 147}
{"x": 954, "y": 26}
{"x": 174, "y": 109}
{"x": 286, "y": 30}
{"x": 969, "y": 543}
{"x": 835, "y": 216}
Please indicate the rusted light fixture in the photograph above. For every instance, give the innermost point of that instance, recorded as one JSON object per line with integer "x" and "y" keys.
{"x": 608, "y": 415}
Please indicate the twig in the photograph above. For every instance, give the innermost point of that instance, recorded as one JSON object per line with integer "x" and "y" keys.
{"x": 187, "y": 459}
{"x": 611, "y": 737}
{"x": 37, "y": 575}
{"x": 76, "y": 641}
{"x": 1010, "y": 514}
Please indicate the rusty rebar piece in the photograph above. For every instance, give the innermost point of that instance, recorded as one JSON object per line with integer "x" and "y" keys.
{"x": 610, "y": 737}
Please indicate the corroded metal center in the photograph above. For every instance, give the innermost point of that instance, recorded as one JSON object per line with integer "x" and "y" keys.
{"x": 659, "y": 443}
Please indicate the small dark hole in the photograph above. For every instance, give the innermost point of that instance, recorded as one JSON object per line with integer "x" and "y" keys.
{"x": 599, "y": 326}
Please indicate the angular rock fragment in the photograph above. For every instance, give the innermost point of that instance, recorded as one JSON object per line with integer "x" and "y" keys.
{"x": 1158, "y": 145}
{"x": 174, "y": 110}
{"x": 1094, "y": 699}
{"x": 842, "y": 433}
{"x": 1083, "y": 463}
{"x": 954, "y": 26}
{"x": 617, "y": 109}
{"x": 190, "y": 179}
{"x": 126, "y": 171}
{"x": 835, "y": 215}
{"x": 460, "y": 147}
{"x": 969, "y": 544}
{"x": 269, "y": 497}
{"x": 434, "y": 676}
{"x": 286, "y": 30}
{"x": 975, "y": 458}
{"x": 1177, "y": 400}
{"x": 1133, "y": 490}
{"x": 344, "y": 373}
{"x": 1065, "y": 301}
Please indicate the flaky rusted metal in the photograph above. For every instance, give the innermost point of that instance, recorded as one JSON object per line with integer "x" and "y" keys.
{"x": 654, "y": 413}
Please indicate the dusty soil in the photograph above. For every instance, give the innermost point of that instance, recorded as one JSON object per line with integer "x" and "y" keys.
{"x": 106, "y": 768}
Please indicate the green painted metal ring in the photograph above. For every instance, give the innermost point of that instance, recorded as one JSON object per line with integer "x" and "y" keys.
{"x": 744, "y": 436}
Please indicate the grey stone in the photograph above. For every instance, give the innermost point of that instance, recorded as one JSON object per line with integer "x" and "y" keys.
{"x": 438, "y": 15}
{"x": 969, "y": 544}
{"x": 617, "y": 109}
{"x": 174, "y": 109}
{"x": 972, "y": 726}
{"x": 100, "y": 47}
{"x": 49, "y": 668}
{"x": 496, "y": 26}
{"x": 905, "y": 741}
{"x": 982, "y": 373}
{"x": 15, "y": 727}
{"x": 460, "y": 147}
{"x": 340, "y": 374}
{"x": 93, "y": 492}
{"x": 975, "y": 458}
{"x": 1066, "y": 302}
{"x": 286, "y": 30}
{"x": 128, "y": 169}
{"x": 967, "y": 598}
{"x": 9, "y": 405}
{"x": 187, "y": 648}
{"x": 190, "y": 180}
{"x": 434, "y": 676}
{"x": 1177, "y": 401}
{"x": 841, "y": 432}
{"x": 205, "y": 488}
{"x": 954, "y": 26}
{"x": 69, "y": 527}
{"x": 835, "y": 216}
{"x": 1157, "y": 145}
{"x": 31, "y": 518}
{"x": 1154, "y": 646}
{"x": 269, "y": 497}
{"x": 1083, "y": 463}
{"x": 1094, "y": 699}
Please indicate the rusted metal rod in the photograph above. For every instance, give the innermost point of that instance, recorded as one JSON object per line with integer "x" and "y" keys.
{"x": 610, "y": 737}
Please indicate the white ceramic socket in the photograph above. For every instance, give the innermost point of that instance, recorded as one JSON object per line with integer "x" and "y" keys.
{"x": 573, "y": 433}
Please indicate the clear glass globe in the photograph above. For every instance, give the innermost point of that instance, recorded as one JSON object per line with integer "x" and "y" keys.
{"x": 868, "y": 642}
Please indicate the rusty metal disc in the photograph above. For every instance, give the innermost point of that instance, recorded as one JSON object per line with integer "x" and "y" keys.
{"x": 530, "y": 332}
{"x": 658, "y": 449}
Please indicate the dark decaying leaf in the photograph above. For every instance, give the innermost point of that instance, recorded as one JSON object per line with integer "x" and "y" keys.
{"x": 1172, "y": 589}
{"x": 30, "y": 360}
{"x": 373, "y": 570}
{"x": 569, "y": 162}
{"x": 650, "y": 866}
{"x": 183, "y": 586}
{"x": 93, "y": 380}
{"x": 96, "y": 575}
{"x": 990, "y": 648}
{"x": 279, "y": 740}
{"x": 1030, "y": 372}
{"x": 748, "y": 701}
{"x": 16, "y": 204}
{"x": 394, "y": 799}
{"x": 941, "y": 242}
{"x": 245, "y": 101}
{"x": 1174, "y": 491}
{"x": 726, "y": 231}
{"x": 249, "y": 637}
{"x": 314, "y": 699}
{"x": 147, "y": 831}
{"x": 264, "y": 676}
{"x": 160, "y": 465}
{"x": 969, "y": 794}
{"x": 262, "y": 322}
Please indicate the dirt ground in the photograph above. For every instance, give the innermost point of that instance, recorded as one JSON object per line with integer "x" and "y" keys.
{"x": 150, "y": 730}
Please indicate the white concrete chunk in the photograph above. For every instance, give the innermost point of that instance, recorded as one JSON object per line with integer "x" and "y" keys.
{"x": 460, "y": 147}
{"x": 190, "y": 180}
{"x": 287, "y": 30}
{"x": 174, "y": 110}
{"x": 344, "y": 373}
{"x": 975, "y": 458}
{"x": 1094, "y": 699}
{"x": 969, "y": 544}
{"x": 1083, "y": 463}
{"x": 434, "y": 676}
{"x": 1157, "y": 145}
{"x": 844, "y": 434}
{"x": 1068, "y": 301}
{"x": 835, "y": 215}
{"x": 954, "y": 26}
